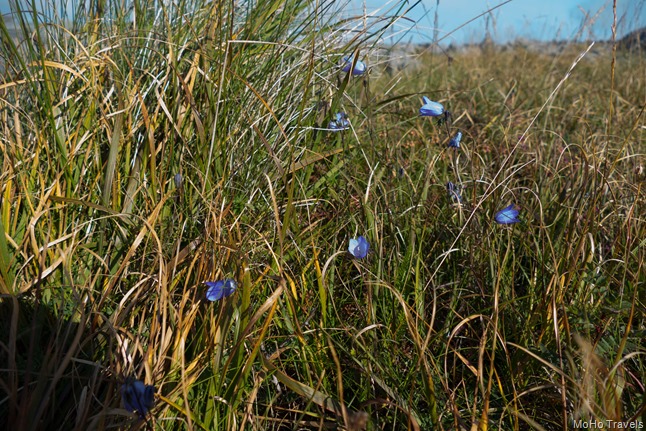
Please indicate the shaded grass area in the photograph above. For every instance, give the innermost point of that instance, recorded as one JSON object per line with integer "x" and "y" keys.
{"x": 165, "y": 146}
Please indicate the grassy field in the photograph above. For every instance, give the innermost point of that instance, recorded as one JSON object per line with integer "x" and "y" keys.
{"x": 148, "y": 150}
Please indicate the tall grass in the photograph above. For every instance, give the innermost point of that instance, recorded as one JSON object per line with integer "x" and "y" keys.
{"x": 150, "y": 147}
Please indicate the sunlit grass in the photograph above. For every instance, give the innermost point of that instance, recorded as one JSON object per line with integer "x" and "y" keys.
{"x": 171, "y": 145}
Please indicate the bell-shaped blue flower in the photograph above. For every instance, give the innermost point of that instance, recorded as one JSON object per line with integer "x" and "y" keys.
{"x": 455, "y": 141}
{"x": 453, "y": 191}
{"x": 340, "y": 123}
{"x": 220, "y": 289}
{"x": 358, "y": 247}
{"x": 137, "y": 397}
{"x": 430, "y": 108}
{"x": 507, "y": 215}
{"x": 358, "y": 69}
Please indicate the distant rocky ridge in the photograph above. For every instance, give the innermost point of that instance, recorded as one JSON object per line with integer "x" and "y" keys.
{"x": 398, "y": 57}
{"x": 635, "y": 40}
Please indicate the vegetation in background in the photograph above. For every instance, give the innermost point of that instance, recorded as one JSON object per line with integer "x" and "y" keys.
{"x": 150, "y": 147}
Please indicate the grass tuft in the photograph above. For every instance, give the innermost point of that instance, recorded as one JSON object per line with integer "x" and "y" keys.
{"x": 150, "y": 147}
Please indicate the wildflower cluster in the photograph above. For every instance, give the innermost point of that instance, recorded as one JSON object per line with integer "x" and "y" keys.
{"x": 430, "y": 108}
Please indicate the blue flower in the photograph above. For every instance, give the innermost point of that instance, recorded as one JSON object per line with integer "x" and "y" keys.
{"x": 341, "y": 122}
{"x": 358, "y": 247}
{"x": 507, "y": 215}
{"x": 430, "y": 108}
{"x": 453, "y": 191}
{"x": 455, "y": 141}
{"x": 137, "y": 397}
{"x": 220, "y": 289}
{"x": 359, "y": 68}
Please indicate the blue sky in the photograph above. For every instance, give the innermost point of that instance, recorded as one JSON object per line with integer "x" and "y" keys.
{"x": 531, "y": 19}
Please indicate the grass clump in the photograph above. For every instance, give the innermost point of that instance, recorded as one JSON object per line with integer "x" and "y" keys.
{"x": 150, "y": 148}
